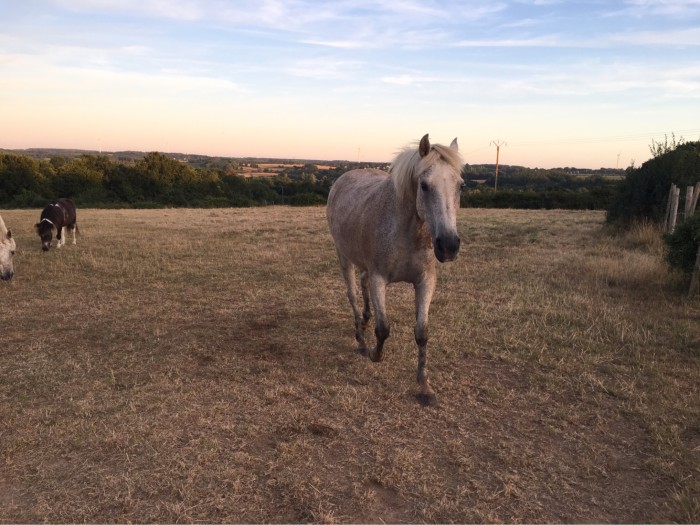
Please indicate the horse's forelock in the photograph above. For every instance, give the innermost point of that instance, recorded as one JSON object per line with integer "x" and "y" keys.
{"x": 408, "y": 164}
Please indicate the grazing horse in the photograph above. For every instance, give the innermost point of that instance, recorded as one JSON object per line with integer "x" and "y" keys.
{"x": 392, "y": 227}
{"x": 59, "y": 214}
{"x": 7, "y": 252}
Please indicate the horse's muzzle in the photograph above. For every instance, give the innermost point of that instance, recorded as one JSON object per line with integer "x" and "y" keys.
{"x": 446, "y": 247}
{"x": 6, "y": 276}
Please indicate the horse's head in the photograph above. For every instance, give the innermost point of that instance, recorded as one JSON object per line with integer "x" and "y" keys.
{"x": 45, "y": 230}
{"x": 439, "y": 184}
{"x": 7, "y": 254}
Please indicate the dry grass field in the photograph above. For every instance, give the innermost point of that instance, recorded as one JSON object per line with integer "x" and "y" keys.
{"x": 199, "y": 366}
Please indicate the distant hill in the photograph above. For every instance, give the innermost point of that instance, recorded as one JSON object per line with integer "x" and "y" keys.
{"x": 473, "y": 171}
{"x": 195, "y": 160}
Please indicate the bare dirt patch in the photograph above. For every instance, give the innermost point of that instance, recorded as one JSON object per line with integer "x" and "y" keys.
{"x": 199, "y": 366}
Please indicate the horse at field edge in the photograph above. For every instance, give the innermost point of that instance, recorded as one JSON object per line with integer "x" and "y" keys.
{"x": 392, "y": 227}
{"x": 59, "y": 215}
{"x": 7, "y": 252}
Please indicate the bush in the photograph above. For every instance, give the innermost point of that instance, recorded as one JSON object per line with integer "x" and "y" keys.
{"x": 307, "y": 199}
{"x": 683, "y": 245}
{"x": 536, "y": 199}
{"x": 644, "y": 192}
{"x": 29, "y": 199}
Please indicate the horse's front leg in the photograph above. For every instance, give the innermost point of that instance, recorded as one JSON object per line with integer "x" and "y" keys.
{"x": 59, "y": 237}
{"x": 424, "y": 295}
{"x": 377, "y": 285}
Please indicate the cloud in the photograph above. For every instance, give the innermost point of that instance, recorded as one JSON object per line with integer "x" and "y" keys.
{"x": 408, "y": 80}
{"x": 538, "y": 41}
{"x": 674, "y": 8}
{"x": 676, "y": 37}
{"x": 324, "y": 68}
{"x": 167, "y": 9}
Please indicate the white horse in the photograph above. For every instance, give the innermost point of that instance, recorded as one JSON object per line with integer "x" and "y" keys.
{"x": 7, "y": 252}
{"x": 392, "y": 226}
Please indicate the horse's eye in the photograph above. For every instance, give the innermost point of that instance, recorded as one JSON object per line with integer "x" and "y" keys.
{"x": 462, "y": 185}
{"x": 12, "y": 253}
{"x": 424, "y": 186}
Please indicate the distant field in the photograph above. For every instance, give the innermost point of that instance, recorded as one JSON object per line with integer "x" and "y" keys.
{"x": 273, "y": 169}
{"x": 199, "y": 366}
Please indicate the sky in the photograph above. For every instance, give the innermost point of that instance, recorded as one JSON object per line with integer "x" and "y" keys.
{"x": 557, "y": 83}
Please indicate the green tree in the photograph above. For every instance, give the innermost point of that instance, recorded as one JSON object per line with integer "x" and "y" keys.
{"x": 20, "y": 175}
{"x": 82, "y": 179}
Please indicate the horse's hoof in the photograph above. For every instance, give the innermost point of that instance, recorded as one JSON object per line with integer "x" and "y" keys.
{"x": 427, "y": 400}
{"x": 363, "y": 350}
{"x": 375, "y": 356}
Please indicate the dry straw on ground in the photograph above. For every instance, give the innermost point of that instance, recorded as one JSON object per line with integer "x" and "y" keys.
{"x": 199, "y": 366}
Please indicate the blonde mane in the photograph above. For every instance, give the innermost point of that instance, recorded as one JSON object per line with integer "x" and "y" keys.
{"x": 408, "y": 164}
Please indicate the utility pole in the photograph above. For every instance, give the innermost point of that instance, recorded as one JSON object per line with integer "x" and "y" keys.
{"x": 498, "y": 145}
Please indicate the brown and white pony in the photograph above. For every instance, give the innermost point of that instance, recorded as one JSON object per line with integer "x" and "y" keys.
{"x": 393, "y": 227}
{"x": 58, "y": 215}
{"x": 7, "y": 252}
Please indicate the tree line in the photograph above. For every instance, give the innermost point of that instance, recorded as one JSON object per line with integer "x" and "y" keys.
{"x": 528, "y": 188}
{"x": 156, "y": 180}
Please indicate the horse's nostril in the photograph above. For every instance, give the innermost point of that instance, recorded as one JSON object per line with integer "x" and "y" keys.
{"x": 449, "y": 244}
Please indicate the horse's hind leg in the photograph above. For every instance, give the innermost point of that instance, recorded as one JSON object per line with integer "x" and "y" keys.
{"x": 73, "y": 229}
{"x": 366, "y": 312}
{"x": 348, "y": 270}
{"x": 377, "y": 286}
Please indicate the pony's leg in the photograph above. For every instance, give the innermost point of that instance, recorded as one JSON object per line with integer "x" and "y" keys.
{"x": 366, "y": 312}
{"x": 75, "y": 227}
{"x": 348, "y": 270}
{"x": 377, "y": 286}
{"x": 59, "y": 237}
{"x": 424, "y": 295}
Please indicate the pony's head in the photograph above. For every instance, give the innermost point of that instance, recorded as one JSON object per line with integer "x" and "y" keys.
{"x": 44, "y": 229}
{"x": 429, "y": 178}
{"x": 7, "y": 252}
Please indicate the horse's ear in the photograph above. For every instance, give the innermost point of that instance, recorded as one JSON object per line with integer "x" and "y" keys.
{"x": 9, "y": 234}
{"x": 454, "y": 145}
{"x": 424, "y": 146}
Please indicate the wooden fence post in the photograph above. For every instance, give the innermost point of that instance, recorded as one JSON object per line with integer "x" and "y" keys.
{"x": 667, "y": 215}
{"x": 687, "y": 214}
{"x": 674, "y": 209}
{"x": 694, "y": 203}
